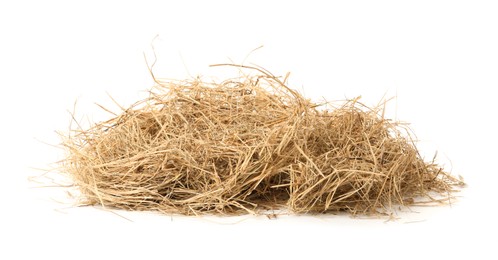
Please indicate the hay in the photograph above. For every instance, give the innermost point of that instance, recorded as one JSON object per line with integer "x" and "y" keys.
{"x": 248, "y": 145}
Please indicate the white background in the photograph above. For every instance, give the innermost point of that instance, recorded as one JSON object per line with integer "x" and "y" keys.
{"x": 440, "y": 58}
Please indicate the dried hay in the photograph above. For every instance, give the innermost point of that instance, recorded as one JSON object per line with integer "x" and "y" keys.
{"x": 249, "y": 145}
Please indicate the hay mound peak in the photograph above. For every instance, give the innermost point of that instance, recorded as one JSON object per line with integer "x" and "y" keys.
{"x": 248, "y": 145}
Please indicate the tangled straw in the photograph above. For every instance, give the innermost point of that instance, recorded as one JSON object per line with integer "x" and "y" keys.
{"x": 248, "y": 145}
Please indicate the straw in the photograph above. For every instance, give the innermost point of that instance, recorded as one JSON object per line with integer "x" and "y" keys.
{"x": 249, "y": 145}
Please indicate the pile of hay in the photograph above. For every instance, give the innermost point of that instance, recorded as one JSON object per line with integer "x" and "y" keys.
{"x": 249, "y": 145}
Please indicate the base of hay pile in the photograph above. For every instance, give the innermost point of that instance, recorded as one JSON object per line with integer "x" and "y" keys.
{"x": 248, "y": 145}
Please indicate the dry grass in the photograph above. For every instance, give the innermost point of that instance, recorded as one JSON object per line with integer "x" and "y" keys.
{"x": 248, "y": 145}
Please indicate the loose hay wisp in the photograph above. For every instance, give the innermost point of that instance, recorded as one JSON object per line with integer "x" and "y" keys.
{"x": 248, "y": 145}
